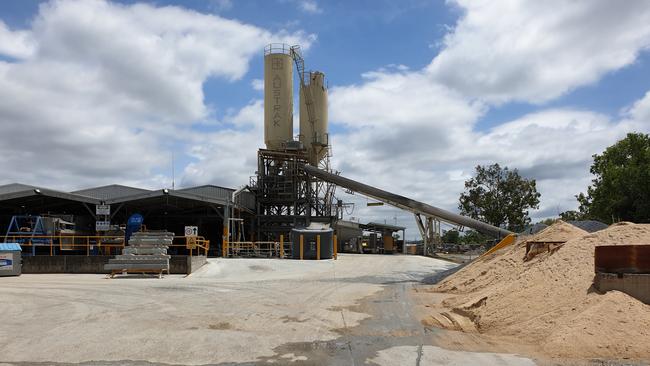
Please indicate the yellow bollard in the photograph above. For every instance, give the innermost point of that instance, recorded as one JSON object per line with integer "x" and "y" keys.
{"x": 225, "y": 242}
{"x": 281, "y": 246}
{"x": 302, "y": 238}
{"x": 335, "y": 246}
{"x": 317, "y": 247}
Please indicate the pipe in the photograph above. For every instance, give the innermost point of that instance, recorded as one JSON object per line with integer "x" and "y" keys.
{"x": 407, "y": 203}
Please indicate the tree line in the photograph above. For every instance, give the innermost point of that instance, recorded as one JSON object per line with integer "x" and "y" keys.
{"x": 620, "y": 191}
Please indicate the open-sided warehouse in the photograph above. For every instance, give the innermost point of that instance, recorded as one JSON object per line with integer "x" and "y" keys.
{"x": 30, "y": 210}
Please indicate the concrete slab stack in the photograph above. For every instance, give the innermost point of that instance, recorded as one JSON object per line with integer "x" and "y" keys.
{"x": 146, "y": 252}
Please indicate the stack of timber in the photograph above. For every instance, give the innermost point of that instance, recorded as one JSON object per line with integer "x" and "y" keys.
{"x": 145, "y": 253}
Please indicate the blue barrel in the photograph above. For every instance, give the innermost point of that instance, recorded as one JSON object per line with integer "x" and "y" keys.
{"x": 133, "y": 225}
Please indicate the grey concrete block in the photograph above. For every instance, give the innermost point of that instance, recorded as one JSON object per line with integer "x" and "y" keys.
{"x": 144, "y": 251}
{"x": 160, "y": 262}
{"x": 119, "y": 266}
{"x": 133, "y": 257}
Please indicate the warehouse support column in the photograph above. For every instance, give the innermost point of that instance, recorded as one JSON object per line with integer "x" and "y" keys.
{"x": 226, "y": 229}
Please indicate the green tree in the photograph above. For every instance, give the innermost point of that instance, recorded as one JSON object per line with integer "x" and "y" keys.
{"x": 473, "y": 237}
{"x": 500, "y": 197}
{"x": 451, "y": 237}
{"x": 549, "y": 221}
{"x": 621, "y": 189}
{"x": 572, "y": 215}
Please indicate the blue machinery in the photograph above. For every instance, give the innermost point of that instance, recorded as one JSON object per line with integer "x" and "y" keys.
{"x": 25, "y": 229}
{"x": 51, "y": 232}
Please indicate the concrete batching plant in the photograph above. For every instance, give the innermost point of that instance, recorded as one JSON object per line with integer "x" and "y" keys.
{"x": 294, "y": 185}
{"x": 287, "y": 197}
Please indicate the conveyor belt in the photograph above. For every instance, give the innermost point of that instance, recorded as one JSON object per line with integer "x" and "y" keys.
{"x": 406, "y": 203}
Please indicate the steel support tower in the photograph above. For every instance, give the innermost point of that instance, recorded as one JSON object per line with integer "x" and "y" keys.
{"x": 287, "y": 197}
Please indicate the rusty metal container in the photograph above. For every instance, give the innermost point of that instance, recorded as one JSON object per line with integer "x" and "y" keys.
{"x": 622, "y": 259}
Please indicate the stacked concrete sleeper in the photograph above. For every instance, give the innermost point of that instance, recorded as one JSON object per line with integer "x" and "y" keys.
{"x": 146, "y": 251}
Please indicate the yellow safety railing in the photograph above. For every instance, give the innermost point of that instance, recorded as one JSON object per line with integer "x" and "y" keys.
{"x": 68, "y": 242}
{"x": 266, "y": 249}
{"x": 107, "y": 245}
{"x": 192, "y": 243}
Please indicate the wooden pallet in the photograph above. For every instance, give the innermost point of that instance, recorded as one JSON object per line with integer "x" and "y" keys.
{"x": 158, "y": 272}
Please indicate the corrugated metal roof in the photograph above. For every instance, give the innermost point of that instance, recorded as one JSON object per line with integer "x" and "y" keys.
{"x": 15, "y": 187}
{"x": 350, "y": 224}
{"x": 376, "y": 225}
{"x": 589, "y": 226}
{"x": 112, "y": 191}
{"x": 534, "y": 229}
{"x": 246, "y": 199}
{"x": 18, "y": 191}
{"x": 209, "y": 191}
{"x": 10, "y": 246}
{"x": 116, "y": 193}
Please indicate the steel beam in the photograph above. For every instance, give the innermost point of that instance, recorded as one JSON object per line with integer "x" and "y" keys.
{"x": 406, "y": 203}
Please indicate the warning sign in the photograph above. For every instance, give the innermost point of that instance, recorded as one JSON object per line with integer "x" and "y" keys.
{"x": 104, "y": 210}
{"x": 191, "y": 231}
{"x": 102, "y": 225}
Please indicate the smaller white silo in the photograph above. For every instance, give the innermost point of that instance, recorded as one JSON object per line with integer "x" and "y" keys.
{"x": 313, "y": 131}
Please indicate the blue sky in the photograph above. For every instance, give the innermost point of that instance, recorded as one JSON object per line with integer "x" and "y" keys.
{"x": 420, "y": 91}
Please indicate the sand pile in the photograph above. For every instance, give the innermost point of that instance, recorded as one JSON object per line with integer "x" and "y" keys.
{"x": 506, "y": 264}
{"x": 559, "y": 231}
{"x": 549, "y": 301}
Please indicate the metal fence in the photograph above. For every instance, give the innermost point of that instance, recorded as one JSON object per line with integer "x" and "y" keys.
{"x": 95, "y": 244}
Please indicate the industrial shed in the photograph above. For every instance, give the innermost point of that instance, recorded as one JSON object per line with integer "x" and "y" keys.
{"x": 208, "y": 207}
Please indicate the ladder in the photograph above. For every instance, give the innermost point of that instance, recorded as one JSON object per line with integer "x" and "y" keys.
{"x": 296, "y": 55}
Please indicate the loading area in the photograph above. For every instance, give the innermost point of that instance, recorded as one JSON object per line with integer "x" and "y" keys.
{"x": 353, "y": 310}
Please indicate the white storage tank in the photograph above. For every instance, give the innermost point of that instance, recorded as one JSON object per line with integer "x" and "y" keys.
{"x": 310, "y": 237}
{"x": 313, "y": 134}
{"x": 278, "y": 96}
{"x": 10, "y": 259}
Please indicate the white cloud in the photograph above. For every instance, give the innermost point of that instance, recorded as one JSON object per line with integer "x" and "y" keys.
{"x": 221, "y": 5}
{"x": 640, "y": 110}
{"x": 17, "y": 44}
{"x": 538, "y": 50}
{"x": 257, "y": 84}
{"x": 102, "y": 92}
{"x": 553, "y": 146}
{"x": 228, "y": 157}
{"x": 418, "y": 140}
{"x": 399, "y": 116}
{"x": 310, "y": 6}
{"x": 415, "y": 132}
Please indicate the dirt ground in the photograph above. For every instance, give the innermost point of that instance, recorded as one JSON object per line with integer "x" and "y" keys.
{"x": 357, "y": 310}
{"x": 545, "y": 304}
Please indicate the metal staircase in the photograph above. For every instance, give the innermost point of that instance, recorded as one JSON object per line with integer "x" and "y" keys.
{"x": 296, "y": 55}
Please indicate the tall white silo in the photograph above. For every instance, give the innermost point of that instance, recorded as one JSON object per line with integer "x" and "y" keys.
{"x": 278, "y": 96}
{"x": 313, "y": 132}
